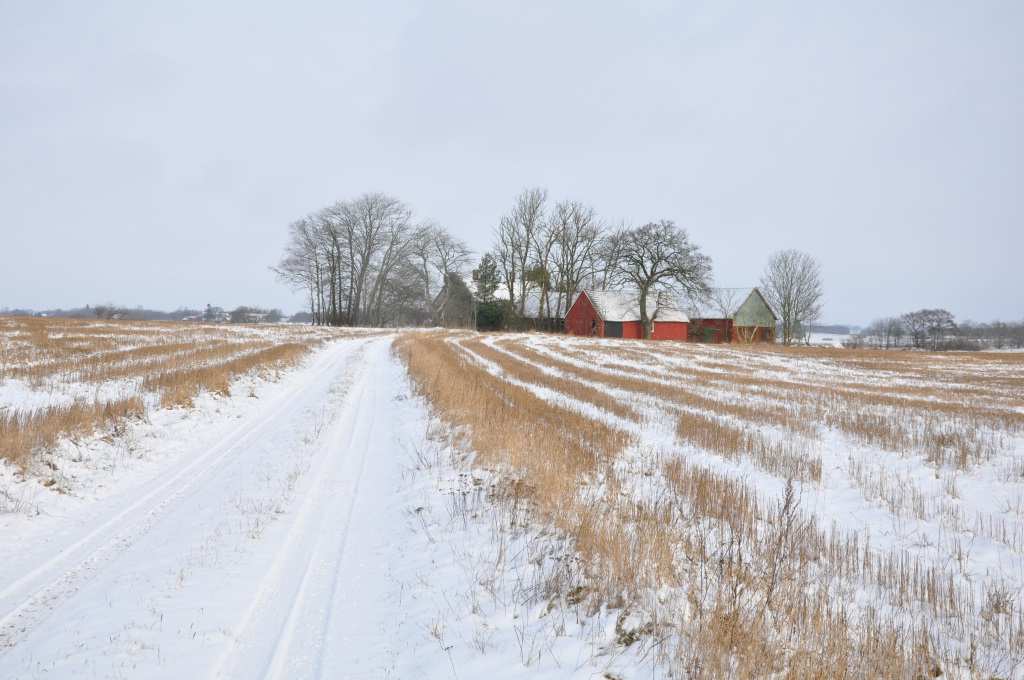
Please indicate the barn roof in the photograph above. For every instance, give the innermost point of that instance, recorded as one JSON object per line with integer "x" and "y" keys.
{"x": 531, "y": 305}
{"x": 723, "y": 303}
{"x": 623, "y": 305}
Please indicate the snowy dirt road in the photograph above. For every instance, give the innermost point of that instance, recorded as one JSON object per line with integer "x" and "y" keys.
{"x": 261, "y": 554}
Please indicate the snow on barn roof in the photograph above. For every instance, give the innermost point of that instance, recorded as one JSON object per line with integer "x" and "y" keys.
{"x": 624, "y": 305}
{"x": 531, "y": 305}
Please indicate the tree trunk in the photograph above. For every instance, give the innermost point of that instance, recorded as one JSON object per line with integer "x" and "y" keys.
{"x": 645, "y": 322}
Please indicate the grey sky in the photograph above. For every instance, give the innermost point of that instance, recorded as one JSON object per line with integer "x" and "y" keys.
{"x": 154, "y": 155}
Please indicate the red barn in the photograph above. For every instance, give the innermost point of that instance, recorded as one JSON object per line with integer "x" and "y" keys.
{"x": 616, "y": 314}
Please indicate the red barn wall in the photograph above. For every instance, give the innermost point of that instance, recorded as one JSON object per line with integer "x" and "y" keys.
{"x": 721, "y": 330}
{"x": 669, "y": 330}
{"x": 580, "y": 318}
{"x": 632, "y": 330}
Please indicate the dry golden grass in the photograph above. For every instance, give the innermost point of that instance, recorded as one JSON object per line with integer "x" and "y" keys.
{"x": 947, "y": 426}
{"x": 178, "y": 386}
{"x": 529, "y": 373}
{"x": 77, "y": 361}
{"x": 759, "y": 587}
{"x": 789, "y": 457}
{"x": 22, "y": 433}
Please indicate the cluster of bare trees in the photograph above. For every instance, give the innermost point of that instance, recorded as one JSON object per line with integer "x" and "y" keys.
{"x": 550, "y": 253}
{"x": 923, "y": 329}
{"x": 937, "y": 329}
{"x": 367, "y": 262}
{"x": 545, "y": 254}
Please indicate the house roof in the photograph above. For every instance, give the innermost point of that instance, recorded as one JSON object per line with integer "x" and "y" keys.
{"x": 622, "y": 305}
{"x": 722, "y": 303}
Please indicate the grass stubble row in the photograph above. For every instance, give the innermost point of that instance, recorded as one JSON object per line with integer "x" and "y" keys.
{"x": 172, "y": 360}
{"x": 759, "y": 589}
{"x": 960, "y": 434}
{"x": 955, "y": 437}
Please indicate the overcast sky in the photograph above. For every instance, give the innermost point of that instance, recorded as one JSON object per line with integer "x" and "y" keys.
{"x": 154, "y": 156}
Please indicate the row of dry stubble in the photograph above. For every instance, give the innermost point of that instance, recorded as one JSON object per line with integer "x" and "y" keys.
{"x": 762, "y": 589}
{"x": 174, "y": 361}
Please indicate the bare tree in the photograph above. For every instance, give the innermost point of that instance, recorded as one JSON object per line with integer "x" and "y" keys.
{"x": 792, "y": 284}
{"x": 337, "y": 237}
{"x": 884, "y": 333}
{"x": 420, "y": 250}
{"x": 578, "y": 235}
{"x": 437, "y": 254}
{"x": 541, "y": 272}
{"x": 450, "y": 255}
{"x": 517, "y": 234}
{"x": 607, "y": 255}
{"x": 926, "y": 324}
{"x": 303, "y": 265}
{"x": 506, "y": 257}
{"x": 917, "y": 326}
{"x": 897, "y": 329}
{"x": 371, "y": 222}
{"x": 395, "y": 245}
{"x": 725, "y": 301}
{"x": 891, "y": 331}
{"x": 660, "y": 256}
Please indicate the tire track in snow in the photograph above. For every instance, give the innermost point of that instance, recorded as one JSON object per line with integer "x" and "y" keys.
{"x": 30, "y": 598}
{"x": 293, "y": 607}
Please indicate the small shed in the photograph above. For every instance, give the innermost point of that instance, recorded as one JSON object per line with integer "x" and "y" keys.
{"x": 732, "y": 315}
{"x": 616, "y": 314}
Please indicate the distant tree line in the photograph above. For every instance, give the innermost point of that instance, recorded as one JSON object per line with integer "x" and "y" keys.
{"x": 368, "y": 262}
{"x": 112, "y": 312}
{"x": 937, "y": 329}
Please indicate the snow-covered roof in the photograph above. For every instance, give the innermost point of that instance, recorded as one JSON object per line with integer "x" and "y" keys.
{"x": 624, "y": 305}
{"x": 531, "y": 305}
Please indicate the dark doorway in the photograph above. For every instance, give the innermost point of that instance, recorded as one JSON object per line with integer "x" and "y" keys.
{"x": 613, "y": 329}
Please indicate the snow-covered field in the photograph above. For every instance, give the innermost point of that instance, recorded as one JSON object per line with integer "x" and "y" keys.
{"x": 455, "y": 505}
{"x": 63, "y": 377}
{"x": 828, "y": 339}
{"x": 813, "y": 508}
{"x": 308, "y": 524}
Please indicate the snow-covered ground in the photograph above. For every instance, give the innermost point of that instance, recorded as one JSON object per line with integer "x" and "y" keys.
{"x": 828, "y": 339}
{"x": 882, "y": 432}
{"x": 308, "y": 527}
{"x": 321, "y": 522}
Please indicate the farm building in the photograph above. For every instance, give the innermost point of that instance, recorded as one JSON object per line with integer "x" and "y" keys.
{"x": 732, "y": 315}
{"x": 616, "y": 314}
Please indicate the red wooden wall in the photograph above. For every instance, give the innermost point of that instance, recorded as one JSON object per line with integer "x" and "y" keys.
{"x": 669, "y": 330}
{"x": 720, "y": 330}
{"x": 632, "y": 330}
{"x": 581, "y": 319}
